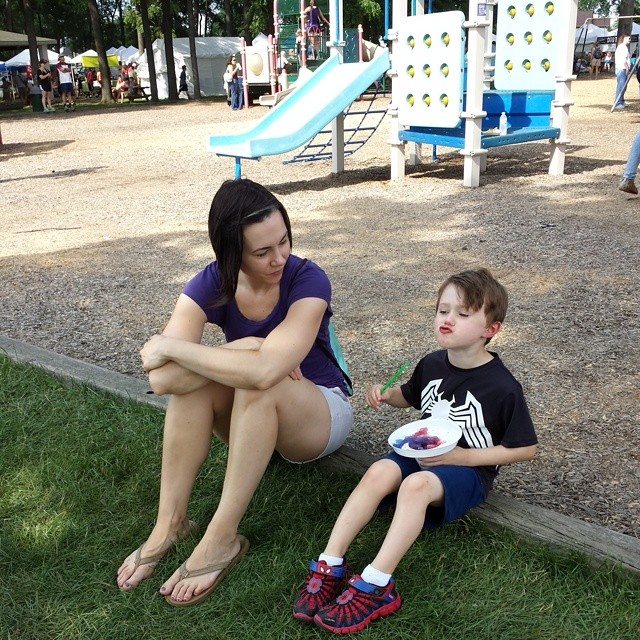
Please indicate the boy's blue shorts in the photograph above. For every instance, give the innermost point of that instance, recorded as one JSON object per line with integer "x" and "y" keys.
{"x": 462, "y": 490}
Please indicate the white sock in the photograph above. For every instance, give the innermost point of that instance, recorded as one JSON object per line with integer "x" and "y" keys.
{"x": 373, "y": 576}
{"x": 332, "y": 561}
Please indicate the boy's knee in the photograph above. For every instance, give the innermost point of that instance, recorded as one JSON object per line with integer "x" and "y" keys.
{"x": 420, "y": 486}
{"x": 383, "y": 474}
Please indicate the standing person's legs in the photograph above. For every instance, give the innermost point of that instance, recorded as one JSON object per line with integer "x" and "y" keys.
{"x": 292, "y": 418}
{"x": 621, "y": 77}
{"x": 44, "y": 100}
{"x": 627, "y": 183}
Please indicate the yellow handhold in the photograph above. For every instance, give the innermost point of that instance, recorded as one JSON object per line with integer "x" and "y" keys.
{"x": 410, "y": 99}
{"x": 527, "y": 64}
{"x": 530, "y": 9}
{"x": 411, "y": 42}
{"x": 445, "y": 70}
{"x": 508, "y": 65}
{"x": 446, "y": 39}
{"x": 510, "y": 38}
{"x": 427, "y": 40}
{"x": 546, "y": 65}
{"x": 547, "y": 36}
{"x": 427, "y": 99}
{"x": 512, "y": 11}
{"x": 427, "y": 70}
{"x": 410, "y": 71}
{"x": 549, "y": 7}
{"x": 444, "y": 98}
{"x": 528, "y": 37}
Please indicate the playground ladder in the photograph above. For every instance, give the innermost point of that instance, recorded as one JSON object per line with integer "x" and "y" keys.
{"x": 319, "y": 147}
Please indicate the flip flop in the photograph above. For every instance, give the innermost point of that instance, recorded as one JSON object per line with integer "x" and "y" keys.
{"x": 153, "y": 560}
{"x": 225, "y": 567}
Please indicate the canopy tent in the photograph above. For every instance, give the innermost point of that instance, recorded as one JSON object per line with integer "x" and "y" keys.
{"x": 89, "y": 58}
{"x": 24, "y": 58}
{"x": 12, "y": 40}
{"x": 588, "y": 33}
{"x": 123, "y": 53}
{"x": 635, "y": 30}
{"x": 212, "y": 54}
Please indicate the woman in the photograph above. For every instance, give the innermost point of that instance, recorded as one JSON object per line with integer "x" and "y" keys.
{"x": 234, "y": 83}
{"x": 272, "y": 387}
{"x": 120, "y": 90}
{"x": 314, "y": 15}
{"x": 44, "y": 82}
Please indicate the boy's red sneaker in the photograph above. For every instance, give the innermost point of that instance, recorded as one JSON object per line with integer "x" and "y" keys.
{"x": 359, "y": 605}
{"x": 320, "y": 588}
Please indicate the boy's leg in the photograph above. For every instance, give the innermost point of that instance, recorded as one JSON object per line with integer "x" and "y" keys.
{"x": 416, "y": 493}
{"x": 323, "y": 581}
{"x": 382, "y": 478}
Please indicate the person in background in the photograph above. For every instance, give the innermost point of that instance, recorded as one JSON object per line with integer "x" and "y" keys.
{"x": 44, "y": 82}
{"x": 232, "y": 78}
{"x": 594, "y": 65}
{"x": 89, "y": 77}
{"x": 120, "y": 90}
{"x": 622, "y": 64}
{"x": 65, "y": 86}
{"x": 182, "y": 85}
{"x": 313, "y": 17}
{"x": 606, "y": 62}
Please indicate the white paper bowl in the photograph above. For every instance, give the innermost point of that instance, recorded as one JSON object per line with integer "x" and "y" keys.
{"x": 449, "y": 432}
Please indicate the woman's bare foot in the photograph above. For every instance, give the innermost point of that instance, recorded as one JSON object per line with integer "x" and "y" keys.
{"x": 181, "y": 590}
{"x": 140, "y": 564}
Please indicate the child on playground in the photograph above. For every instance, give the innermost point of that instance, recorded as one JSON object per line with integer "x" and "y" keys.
{"x": 463, "y": 382}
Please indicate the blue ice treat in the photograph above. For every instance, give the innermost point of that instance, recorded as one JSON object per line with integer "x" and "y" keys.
{"x": 420, "y": 440}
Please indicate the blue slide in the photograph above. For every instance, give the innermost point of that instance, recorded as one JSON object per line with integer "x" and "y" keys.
{"x": 307, "y": 110}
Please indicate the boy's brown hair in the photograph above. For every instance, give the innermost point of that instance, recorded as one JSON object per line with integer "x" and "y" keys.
{"x": 479, "y": 289}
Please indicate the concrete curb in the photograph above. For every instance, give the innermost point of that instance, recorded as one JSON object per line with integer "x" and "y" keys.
{"x": 601, "y": 545}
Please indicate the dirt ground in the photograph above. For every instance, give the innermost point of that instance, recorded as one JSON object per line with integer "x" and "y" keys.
{"x": 104, "y": 219}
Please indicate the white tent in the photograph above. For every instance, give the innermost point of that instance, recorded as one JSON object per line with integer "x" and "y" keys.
{"x": 24, "y": 58}
{"x": 212, "y": 53}
{"x": 635, "y": 30}
{"x": 588, "y": 33}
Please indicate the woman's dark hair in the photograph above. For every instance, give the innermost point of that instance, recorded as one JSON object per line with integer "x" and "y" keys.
{"x": 237, "y": 204}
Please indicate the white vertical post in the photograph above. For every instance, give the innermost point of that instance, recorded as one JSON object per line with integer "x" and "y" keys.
{"x": 336, "y": 37}
{"x": 562, "y": 102}
{"x": 479, "y": 29}
{"x": 397, "y": 146}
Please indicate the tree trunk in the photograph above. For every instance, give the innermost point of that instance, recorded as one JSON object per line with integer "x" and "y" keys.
{"x": 192, "y": 6}
{"x": 167, "y": 36}
{"x": 625, "y": 8}
{"x": 31, "y": 36}
{"x": 148, "y": 47}
{"x": 98, "y": 39}
{"x": 8, "y": 16}
{"x": 228, "y": 19}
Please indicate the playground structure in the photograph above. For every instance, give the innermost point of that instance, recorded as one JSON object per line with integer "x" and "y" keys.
{"x": 448, "y": 88}
{"x": 321, "y": 99}
{"x": 444, "y": 96}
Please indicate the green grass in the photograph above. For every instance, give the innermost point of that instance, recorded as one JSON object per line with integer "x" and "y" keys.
{"x": 78, "y": 486}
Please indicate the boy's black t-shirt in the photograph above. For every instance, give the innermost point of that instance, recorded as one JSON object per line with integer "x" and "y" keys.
{"x": 487, "y": 402}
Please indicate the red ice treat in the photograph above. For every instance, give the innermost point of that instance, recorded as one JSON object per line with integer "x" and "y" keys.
{"x": 420, "y": 440}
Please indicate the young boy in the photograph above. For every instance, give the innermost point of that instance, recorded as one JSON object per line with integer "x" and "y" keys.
{"x": 463, "y": 382}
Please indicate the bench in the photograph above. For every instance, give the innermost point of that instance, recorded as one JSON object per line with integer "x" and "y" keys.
{"x": 138, "y": 92}
{"x": 528, "y": 112}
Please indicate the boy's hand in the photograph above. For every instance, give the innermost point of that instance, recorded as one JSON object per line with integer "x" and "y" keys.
{"x": 375, "y": 398}
{"x": 457, "y": 456}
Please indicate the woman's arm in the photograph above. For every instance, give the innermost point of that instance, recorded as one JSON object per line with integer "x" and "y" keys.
{"x": 186, "y": 323}
{"x": 278, "y": 355}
